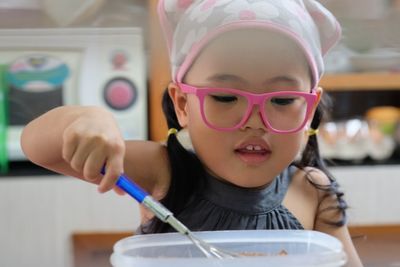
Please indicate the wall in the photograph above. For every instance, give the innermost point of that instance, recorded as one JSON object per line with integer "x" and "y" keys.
{"x": 372, "y": 193}
{"x": 39, "y": 214}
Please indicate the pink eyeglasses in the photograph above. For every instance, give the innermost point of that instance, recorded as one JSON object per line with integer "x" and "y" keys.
{"x": 226, "y": 109}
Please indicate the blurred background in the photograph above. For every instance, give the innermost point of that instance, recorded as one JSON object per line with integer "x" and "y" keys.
{"x": 111, "y": 53}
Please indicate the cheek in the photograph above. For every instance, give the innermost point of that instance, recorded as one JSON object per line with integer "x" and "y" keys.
{"x": 210, "y": 145}
{"x": 288, "y": 144}
{"x": 200, "y": 133}
{"x": 212, "y": 149}
{"x": 193, "y": 111}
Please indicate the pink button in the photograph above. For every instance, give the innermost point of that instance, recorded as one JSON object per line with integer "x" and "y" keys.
{"x": 120, "y": 94}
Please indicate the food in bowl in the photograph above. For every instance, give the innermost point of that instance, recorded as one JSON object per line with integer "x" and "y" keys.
{"x": 255, "y": 254}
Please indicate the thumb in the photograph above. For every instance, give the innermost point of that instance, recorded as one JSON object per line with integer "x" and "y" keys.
{"x": 119, "y": 191}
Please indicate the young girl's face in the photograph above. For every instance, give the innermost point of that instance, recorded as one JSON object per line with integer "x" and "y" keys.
{"x": 250, "y": 61}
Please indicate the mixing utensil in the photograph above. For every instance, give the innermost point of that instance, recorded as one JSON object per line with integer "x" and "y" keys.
{"x": 167, "y": 216}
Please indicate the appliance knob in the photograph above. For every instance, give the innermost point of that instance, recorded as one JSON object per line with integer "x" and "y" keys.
{"x": 120, "y": 93}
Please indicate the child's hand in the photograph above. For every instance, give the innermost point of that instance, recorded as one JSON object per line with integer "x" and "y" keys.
{"x": 89, "y": 142}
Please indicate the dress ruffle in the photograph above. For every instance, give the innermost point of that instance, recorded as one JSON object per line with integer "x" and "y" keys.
{"x": 224, "y": 206}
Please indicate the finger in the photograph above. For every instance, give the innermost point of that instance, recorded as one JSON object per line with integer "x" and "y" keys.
{"x": 93, "y": 166}
{"x": 70, "y": 145}
{"x": 79, "y": 158}
{"x": 119, "y": 191}
{"x": 114, "y": 168}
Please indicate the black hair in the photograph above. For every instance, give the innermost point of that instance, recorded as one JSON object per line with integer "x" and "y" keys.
{"x": 187, "y": 172}
{"x": 311, "y": 158}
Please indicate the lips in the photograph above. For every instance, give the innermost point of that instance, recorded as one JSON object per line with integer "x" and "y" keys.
{"x": 254, "y": 152}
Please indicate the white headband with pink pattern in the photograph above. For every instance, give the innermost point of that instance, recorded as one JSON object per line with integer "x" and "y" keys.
{"x": 189, "y": 25}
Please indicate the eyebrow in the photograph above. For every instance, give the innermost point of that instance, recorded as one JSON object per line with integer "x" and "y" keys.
{"x": 283, "y": 78}
{"x": 219, "y": 77}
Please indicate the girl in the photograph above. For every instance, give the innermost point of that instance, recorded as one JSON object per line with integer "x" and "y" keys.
{"x": 243, "y": 109}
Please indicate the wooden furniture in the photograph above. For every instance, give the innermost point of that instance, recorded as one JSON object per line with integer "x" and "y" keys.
{"x": 361, "y": 81}
{"x": 376, "y": 245}
{"x": 95, "y": 249}
{"x": 159, "y": 75}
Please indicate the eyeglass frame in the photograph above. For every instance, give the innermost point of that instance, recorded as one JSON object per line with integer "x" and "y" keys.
{"x": 253, "y": 100}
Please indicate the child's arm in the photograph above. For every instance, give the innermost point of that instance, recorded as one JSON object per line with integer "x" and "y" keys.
{"x": 324, "y": 215}
{"x": 342, "y": 233}
{"x": 77, "y": 141}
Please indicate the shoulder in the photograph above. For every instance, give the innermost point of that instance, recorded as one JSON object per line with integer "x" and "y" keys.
{"x": 304, "y": 195}
{"x": 317, "y": 181}
{"x": 331, "y": 205}
{"x": 147, "y": 163}
{"x": 313, "y": 175}
{"x": 310, "y": 180}
{"x": 302, "y": 198}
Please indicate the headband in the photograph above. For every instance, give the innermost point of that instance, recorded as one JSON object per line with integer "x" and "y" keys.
{"x": 189, "y": 25}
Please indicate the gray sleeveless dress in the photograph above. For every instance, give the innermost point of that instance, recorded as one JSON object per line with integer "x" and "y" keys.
{"x": 223, "y": 206}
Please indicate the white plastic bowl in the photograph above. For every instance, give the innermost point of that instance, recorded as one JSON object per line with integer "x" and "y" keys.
{"x": 304, "y": 249}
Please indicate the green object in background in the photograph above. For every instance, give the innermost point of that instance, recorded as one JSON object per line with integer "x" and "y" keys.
{"x": 388, "y": 128}
{"x": 3, "y": 121}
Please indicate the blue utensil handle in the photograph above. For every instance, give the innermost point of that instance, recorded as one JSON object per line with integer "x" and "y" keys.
{"x": 130, "y": 187}
{"x": 145, "y": 199}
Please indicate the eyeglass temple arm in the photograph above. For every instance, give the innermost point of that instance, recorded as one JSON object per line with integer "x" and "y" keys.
{"x": 187, "y": 88}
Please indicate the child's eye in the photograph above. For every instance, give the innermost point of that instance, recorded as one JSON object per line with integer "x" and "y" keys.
{"x": 224, "y": 98}
{"x": 282, "y": 101}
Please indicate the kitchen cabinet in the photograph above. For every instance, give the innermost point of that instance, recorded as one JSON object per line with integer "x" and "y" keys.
{"x": 93, "y": 249}
{"x": 355, "y": 97}
{"x": 361, "y": 81}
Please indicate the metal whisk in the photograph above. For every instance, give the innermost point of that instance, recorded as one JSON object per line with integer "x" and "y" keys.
{"x": 166, "y": 216}
{"x": 209, "y": 250}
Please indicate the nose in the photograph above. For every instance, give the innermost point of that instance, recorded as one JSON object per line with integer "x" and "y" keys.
{"x": 254, "y": 120}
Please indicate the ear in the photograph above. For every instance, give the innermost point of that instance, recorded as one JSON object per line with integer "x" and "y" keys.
{"x": 320, "y": 91}
{"x": 180, "y": 100}
{"x": 319, "y": 96}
